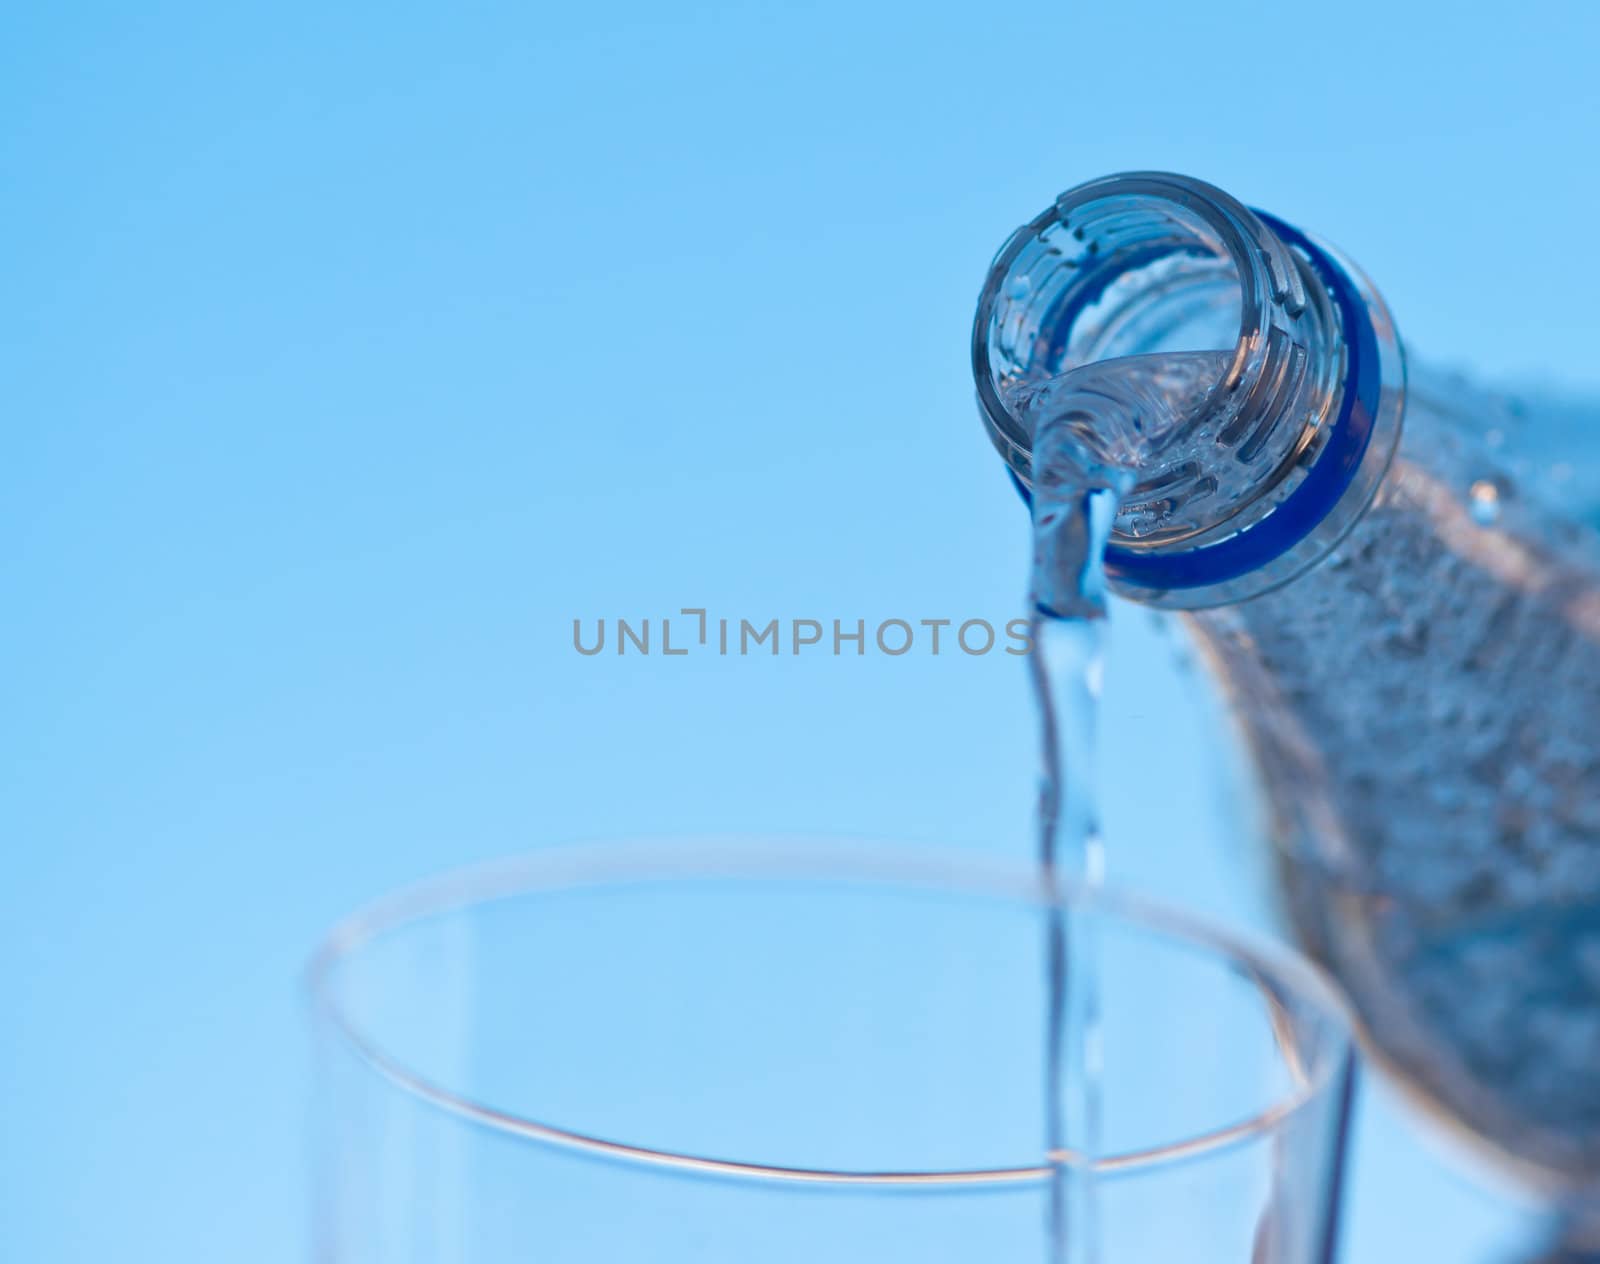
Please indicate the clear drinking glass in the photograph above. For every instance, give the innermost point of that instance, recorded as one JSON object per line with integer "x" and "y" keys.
{"x": 803, "y": 1052}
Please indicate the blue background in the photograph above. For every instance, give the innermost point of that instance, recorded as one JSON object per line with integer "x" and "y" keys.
{"x": 349, "y": 352}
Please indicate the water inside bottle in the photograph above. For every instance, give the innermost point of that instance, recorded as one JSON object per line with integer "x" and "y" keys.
{"x": 1141, "y": 412}
{"x": 1091, "y": 428}
{"x": 1422, "y": 707}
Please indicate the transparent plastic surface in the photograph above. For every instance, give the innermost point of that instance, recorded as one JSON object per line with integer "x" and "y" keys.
{"x": 1416, "y": 669}
{"x": 1183, "y": 340}
{"x": 1425, "y": 709}
{"x": 802, "y": 1052}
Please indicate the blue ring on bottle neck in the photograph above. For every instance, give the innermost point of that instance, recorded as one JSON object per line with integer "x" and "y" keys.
{"x": 1323, "y": 487}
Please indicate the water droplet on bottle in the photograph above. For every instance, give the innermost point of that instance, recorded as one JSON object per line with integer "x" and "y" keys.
{"x": 1483, "y": 501}
{"x": 1018, "y": 287}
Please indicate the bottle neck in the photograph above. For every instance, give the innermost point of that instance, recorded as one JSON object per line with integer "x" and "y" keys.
{"x": 1268, "y": 468}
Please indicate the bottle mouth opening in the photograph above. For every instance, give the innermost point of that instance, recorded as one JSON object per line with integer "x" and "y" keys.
{"x": 1145, "y": 263}
{"x": 1243, "y": 368}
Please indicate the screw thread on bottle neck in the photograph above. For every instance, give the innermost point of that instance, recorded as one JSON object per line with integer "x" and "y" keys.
{"x": 1156, "y": 265}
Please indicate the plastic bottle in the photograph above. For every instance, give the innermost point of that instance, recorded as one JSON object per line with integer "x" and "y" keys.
{"x": 1391, "y": 583}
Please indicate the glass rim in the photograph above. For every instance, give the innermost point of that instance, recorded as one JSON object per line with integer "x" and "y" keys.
{"x": 796, "y": 858}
